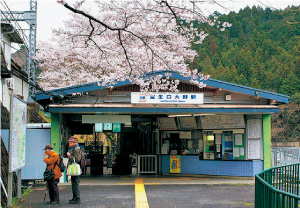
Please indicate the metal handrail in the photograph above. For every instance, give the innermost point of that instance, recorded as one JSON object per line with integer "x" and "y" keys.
{"x": 277, "y": 187}
{"x": 285, "y": 155}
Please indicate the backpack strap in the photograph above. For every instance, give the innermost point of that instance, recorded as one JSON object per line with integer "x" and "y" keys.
{"x": 56, "y": 162}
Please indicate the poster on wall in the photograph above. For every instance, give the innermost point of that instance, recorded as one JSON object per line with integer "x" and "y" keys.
{"x": 17, "y": 139}
{"x": 175, "y": 164}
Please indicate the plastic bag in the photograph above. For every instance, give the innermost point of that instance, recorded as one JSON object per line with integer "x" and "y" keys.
{"x": 74, "y": 169}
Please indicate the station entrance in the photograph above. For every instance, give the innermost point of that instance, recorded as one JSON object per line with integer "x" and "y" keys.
{"x": 112, "y": 148}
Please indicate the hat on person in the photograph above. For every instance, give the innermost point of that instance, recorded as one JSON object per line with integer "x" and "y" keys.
{"x": 48, "y": 146}
{"x": 73, "y": 139}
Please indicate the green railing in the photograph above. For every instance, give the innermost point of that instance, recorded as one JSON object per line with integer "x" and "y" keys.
{"x": 278, "y": 187}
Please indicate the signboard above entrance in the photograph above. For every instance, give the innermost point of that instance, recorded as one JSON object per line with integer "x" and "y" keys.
{"x": 106, "y": 119}
{"x": 166, "y": 98}
{"x": 222, "y": 121}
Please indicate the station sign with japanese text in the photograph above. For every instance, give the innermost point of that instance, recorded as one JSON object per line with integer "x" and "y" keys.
{"x": 166, "y": 98}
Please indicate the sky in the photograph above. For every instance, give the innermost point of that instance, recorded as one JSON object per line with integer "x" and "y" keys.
{"x": 51, "y": 15}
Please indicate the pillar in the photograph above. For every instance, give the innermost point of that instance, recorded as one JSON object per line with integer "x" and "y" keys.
{"x": 267, "y": 141}
{"x": 55, "y": 131}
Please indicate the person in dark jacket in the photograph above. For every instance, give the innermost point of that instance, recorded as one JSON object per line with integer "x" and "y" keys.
{"x": 74, "y": 153}
{"x": 51, "y": 158}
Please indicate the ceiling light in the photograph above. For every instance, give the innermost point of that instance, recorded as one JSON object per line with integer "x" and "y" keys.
{"x": 179, "y": 115}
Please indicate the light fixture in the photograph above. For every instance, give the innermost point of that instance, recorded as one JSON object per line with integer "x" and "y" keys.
{"x": 179, "y": 115}
{"x": 128, "y": 125}
{"x": 204, "y": 114}
{"x": 227, "y": 97}
{"x": 210, "y": 138}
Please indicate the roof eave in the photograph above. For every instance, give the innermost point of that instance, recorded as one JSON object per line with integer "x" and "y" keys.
{"x": 280, "y": 98}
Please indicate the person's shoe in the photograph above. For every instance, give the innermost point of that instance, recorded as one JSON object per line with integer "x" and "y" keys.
{"x": 54, "y": 202}
{"x": 72, "y": 199}
{"x": 75, "y": 201}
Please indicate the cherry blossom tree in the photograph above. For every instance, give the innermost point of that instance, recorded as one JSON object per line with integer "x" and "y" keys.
{"x": 124, "y": 40}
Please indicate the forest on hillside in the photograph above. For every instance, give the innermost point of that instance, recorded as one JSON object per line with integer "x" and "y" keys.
{"x": 260, "y": 50}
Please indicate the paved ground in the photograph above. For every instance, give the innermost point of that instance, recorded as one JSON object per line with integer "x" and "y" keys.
{"x": 153, "y": 192}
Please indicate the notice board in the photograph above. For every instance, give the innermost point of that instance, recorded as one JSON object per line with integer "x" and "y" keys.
{"x": 17, "y": 140}
{"x": 254, "y": 129}
{"x": 254, "y": 147}
{"x": 239, "y": 147}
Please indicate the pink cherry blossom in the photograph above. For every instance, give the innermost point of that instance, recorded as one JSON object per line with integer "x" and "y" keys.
{"x": 123, "y": 40}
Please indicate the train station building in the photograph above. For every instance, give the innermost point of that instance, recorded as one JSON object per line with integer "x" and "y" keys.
{"x": 221, "y": 129}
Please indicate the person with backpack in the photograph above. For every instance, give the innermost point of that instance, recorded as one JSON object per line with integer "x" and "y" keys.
{"x": 52, "y": 160}
{"x": 74, "y": 153}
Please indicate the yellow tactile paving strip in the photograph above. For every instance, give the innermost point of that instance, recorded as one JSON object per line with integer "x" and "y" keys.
{"x": 141, "y": 200}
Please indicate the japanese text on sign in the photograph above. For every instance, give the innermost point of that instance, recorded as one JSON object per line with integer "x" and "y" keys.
{"x": 167, "y": 98}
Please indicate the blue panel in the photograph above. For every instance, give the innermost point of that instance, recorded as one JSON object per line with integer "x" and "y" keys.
{"x": 258, "y": 166}
{"x": 164, "y": 110}
{"x": 5, "y": 137}
{"x": 36, "y": 140}
{"x": 165, "y": 160}
{"x": 192, "y": 165}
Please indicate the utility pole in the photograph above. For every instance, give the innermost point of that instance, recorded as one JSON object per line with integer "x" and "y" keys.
{"x": 32, "y": 48}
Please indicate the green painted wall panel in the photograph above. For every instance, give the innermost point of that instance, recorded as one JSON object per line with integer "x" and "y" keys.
{"x": 55, "y": 131}
{"x": 267, "y": 141}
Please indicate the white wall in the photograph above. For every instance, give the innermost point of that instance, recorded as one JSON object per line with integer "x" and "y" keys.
{"x": 20, "y": 87}
{"x": 5, "y": 94}
{"x": 5, "y": 44}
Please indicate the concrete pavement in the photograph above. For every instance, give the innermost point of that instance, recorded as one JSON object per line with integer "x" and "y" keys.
{"x": 153, "y": 191}
{"x": 163, "y": 180}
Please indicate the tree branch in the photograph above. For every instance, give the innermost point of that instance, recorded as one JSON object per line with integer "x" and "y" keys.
{"x": 125, "y": 52}
{"x": 91, "y": 17}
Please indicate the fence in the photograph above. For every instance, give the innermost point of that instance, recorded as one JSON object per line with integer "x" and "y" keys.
{"x": 277, "y": 187}
{"x": 147, "y": 164}
{"x": 284, "y": 155}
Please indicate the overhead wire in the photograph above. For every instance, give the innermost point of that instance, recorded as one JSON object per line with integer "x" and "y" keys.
{"x": 11, "y": 19}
